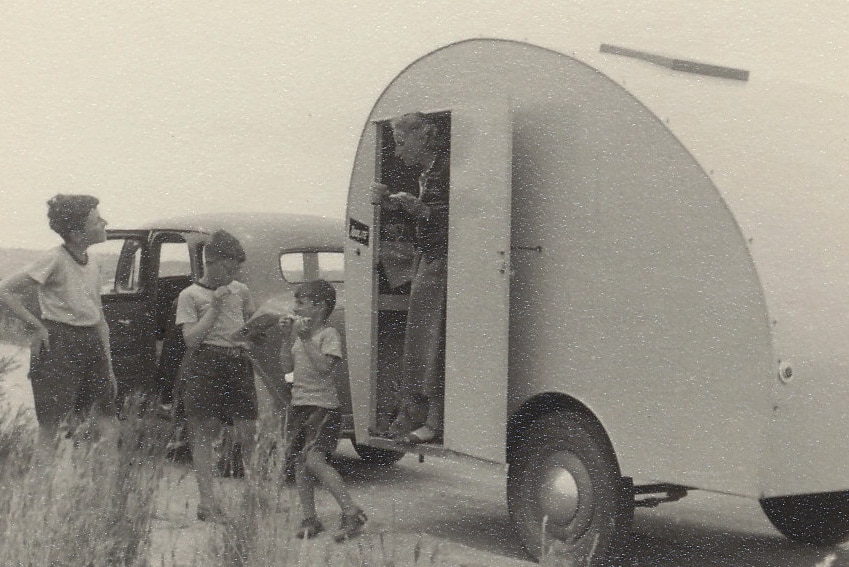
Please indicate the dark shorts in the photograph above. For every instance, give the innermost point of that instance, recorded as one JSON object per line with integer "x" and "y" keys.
{"x": 72, "y": 377}
{"x": 219, "y": 385}
{"x": 312, "y": 428}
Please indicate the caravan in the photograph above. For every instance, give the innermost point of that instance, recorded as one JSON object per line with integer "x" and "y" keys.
{"x": 644, "y": 298}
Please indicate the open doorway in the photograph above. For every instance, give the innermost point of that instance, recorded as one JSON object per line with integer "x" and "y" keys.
{"x": 396, "y": 266}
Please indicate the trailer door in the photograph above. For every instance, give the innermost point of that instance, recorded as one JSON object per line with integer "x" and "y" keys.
{"x": 478, "y": 276}
{"x": 478, "y": 279}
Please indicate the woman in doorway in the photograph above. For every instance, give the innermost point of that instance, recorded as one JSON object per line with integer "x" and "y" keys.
{"x": 419, "y": 142}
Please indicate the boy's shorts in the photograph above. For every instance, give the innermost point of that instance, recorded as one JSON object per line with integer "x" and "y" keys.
{"x": 311, "y": 428}
{"x": 72, "y": 377}
{"x": 219, "y": 384}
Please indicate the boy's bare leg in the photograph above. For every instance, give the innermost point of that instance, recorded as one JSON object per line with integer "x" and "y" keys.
{"x": 305, "y": 482}
{"x": 203, "y": 432}
{"x": 317, "y": 465}
{"x": 244, "y": 433}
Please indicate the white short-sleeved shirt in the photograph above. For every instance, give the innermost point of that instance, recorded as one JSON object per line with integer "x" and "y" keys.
{"x": 311, "y": 387}
{"x": 195, "y": 301}
{"x": 68, "y": 292}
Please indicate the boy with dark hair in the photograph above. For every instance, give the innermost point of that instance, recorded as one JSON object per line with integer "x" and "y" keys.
{"x": 71, "y": 366}
{"x": 219, "y": 385}
{"x": 311, "y": 349}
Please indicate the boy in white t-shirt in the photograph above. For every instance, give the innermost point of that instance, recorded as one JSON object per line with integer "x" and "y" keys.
{"x": 219, "y": 381}
{"x": 71, "y": 365}
{"x": 311, "y": 349}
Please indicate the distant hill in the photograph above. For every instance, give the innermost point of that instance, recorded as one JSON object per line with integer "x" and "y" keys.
{"x": 12, "y": 259}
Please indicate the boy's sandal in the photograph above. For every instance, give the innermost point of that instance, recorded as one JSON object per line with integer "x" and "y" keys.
{"x": 310, "y": 527}
{"x": 423, "y": 434}
{"x": 350, "y": 525}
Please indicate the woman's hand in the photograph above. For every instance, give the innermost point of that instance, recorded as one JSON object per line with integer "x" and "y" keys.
{"x": 380, "y": 195}
{"x": 411, "y": 204}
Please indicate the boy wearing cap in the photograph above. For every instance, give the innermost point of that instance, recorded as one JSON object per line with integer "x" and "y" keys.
{"x": 219, "y": 385}
{"x": 311, "y": 349}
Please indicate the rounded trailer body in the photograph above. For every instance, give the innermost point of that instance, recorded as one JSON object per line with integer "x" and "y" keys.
{"x": 695, "y": 315}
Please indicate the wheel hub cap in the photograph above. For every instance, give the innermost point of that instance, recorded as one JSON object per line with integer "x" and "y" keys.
{"x": 559, "y": 495}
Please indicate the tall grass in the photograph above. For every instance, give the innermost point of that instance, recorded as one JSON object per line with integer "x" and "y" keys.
{"x": 88, "y": 500}
{"x": 85, "y": 500}
{"x": 261, "y": 532}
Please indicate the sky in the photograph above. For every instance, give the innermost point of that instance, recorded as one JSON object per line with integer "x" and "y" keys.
{"x": 164, "y": 108}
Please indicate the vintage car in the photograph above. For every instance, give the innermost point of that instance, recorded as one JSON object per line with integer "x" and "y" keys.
{"x": 144, "y": 270}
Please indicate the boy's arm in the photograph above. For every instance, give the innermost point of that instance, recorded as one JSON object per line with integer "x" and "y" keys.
{"x": 248, "y": 308}
{"x": 103, "y": 331}
{"x": 12, "y": 290}
{"x": 287, "y": 361}
{"x": 327, "y": 353}
{"x": 194, "y": 332}
{"x": 324, "y": 363}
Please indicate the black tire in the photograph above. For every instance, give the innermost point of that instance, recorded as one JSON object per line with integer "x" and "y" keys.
{"x": 566, "y": 477}
{"x": 818, "y": 519}
{"x": 377, "y": 456}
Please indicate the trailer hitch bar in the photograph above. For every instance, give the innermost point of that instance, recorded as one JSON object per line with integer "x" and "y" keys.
{"x": 671, "y": 493}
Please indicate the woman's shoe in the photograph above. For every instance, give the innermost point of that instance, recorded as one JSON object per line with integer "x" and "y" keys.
{"x": 399, "y": 427}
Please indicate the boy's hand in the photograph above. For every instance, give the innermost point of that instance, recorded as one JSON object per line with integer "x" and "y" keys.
{"x": 218, "y": 297}
{"x": 285, "y": 323}
{"x": 41, "y": 340}
{"x": 302, "y": 326}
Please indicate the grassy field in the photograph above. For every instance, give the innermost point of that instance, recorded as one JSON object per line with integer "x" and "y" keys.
{"x": 114, "y": 498}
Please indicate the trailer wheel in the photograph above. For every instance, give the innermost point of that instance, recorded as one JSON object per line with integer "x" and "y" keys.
{"x": 819, "y": 519}
{"x": 565, "y": 493}
{"x": 376, "y": 455}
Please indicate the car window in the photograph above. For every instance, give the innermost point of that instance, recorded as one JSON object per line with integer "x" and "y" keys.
{"x": 298, "y": 267}
{"x": 174, "y": 259}
{"x": 119, "y": 260}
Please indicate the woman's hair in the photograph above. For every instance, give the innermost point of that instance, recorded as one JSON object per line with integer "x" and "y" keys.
{"x": 414, "y": 121}
{"x": 318, "y": 291}
{"x": 69, "y": 213}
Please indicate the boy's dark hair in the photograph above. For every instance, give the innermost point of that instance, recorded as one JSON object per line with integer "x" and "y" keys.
{"x": 318, "y": 291}
{"x": 224, "y": 246}
{"x": 68, "y": 213}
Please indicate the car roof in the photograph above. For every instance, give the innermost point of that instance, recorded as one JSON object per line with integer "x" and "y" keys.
{"x": 254, "y": 227}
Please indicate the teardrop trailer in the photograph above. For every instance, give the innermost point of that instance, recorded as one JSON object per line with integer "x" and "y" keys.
{"x": 615, "y": 311}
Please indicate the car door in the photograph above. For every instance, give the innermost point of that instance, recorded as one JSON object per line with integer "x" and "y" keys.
{"x": 142, "y": 272}
{"x": 127, "y": 295}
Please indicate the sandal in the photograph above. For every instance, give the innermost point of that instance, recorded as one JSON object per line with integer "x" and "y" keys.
{"x": 399, "y": 426}
{"x": 350, "y": 525}
{"x": 310, "y": 527}
{"x": 423, "y": 434}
